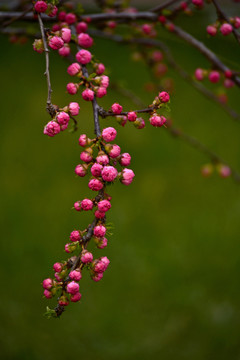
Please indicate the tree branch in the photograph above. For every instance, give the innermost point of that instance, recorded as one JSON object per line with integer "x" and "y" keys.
{"x": 157, "y": 43}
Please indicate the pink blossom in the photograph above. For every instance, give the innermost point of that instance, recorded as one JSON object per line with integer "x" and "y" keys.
{"x": 62, "y": 118}
{"x": 109, "y": 173}
{"x": 99, "y": 214}
{"x": 56, "y": 42}
{"x": 72, "y": 287}
{"x": 84, "y": 56}
{"x": 164, "y": 97}
{"x": 109, "y": 134}
{"x": 38, "y": 46}
{"x": 115, "y": 151}
{"x": 67, "y": 248}
{"x": 53, "y": 11}
{"x": 84, "y": 40}
{"x": 228, "y": 74}
{"x": 199, "y": 74}
{"x": 99, "y": 267}
{"x": 105, "y": 81}
{"x": 157, "y": 121}
{"x": 57, "y": 267}
{"x": 147, "y": 29}
{"x": 97, "y": 277}
{"x": 74, "y": 69}
{"x": 102, "y": 159}
{"x": 224, "y": 171}
{"x": 86, "y": 157}
{"x": 77, "y": 206}
{"x": 101, "y": 92}
{"x": 122, "y": 120}
{"x": 116, "y": 108}
{"x": 70, "y": 18}
{"x": 66, "y": 35}
{"x": 127, "y": 176}
{"x": 228, "y": 83}
{"x": 131, "y": 116}
{"x": 75, "y": 275}
{"x": 88, "y": 95}
{"x": 100, "y": 68}
{"x": 83, "y": 140}
{"x": 207, "y": 170}
{"x": 81, "y": 27}
{"x": 47, "y": 283}
{"x": 99, "y": 231}
{"x": 197, "y": 2}
{"x": 86, "y": 257}
{"x": 80, "y": 171}
{"x": 62, "y": 16}
{"x": 64, "y": 51}
{"x": 96, "y": 169}
{"x": 105, "y": 261}
{"x": 95, "y": 185}
{"x": 157, "y": 55}
{"x": 104, "y": 205}
{"x": 47, "y": 294}
{"x": 125, "y": 159}
{"x": 63, "y": 301}
{"x": 86, "y": 204}
{"x": 237, "y": 22}
{"x": 111, "y": 24}
{"x": 40, "y": 6}
{"x": 76, "y": 297}
{"x": 226, "y": 29}
{"x": 52, "y": 128}
{"x": 73, "y": 108}
{"x": 57, "y": 276}
{"x": 72, "y": 88}
{"x": 102, "y": 243}
{"x": 139, "y": 123}
{"x": 214, "y": 76}
{"x": 75, "y": 236}
{"x": 211, "y": 30}
{"x": 56, "y": 27}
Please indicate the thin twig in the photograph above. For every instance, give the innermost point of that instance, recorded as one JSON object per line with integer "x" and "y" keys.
{"x": 165, "y": 5}
{"x": 16, "y": 18}
{"x": 157, "y": 43}
{"x": 50, "y": 107}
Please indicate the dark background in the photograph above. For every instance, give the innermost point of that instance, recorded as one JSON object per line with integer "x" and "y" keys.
{"x": 172, "y": 289}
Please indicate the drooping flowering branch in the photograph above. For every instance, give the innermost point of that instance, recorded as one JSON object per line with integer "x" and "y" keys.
{"x": 101, "y": 159}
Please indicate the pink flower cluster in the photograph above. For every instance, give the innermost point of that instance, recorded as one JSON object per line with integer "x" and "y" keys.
{"x": 225, "y": 28}
{"x": 214, "y": 76}
{"x": 61, "y": 120}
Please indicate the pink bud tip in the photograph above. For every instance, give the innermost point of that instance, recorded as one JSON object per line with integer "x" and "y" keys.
{"x": 83, "y": 56}
{"x": 109, "y": 173}
{"x": 40, "y": 6}
{"x": 116, "y": 108}
{"x": 86, "y": 257}
{"x": 164, "y": 96}
{"x": 72, "y": 287}
{"x": 84, "y": 40}
{"x": 109, "y": 134}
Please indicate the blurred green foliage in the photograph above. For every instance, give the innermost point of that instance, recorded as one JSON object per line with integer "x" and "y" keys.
{"x": 172, "y": 290}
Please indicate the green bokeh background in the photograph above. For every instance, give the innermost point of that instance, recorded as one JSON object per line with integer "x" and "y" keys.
{"x": 172, "y": 290}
